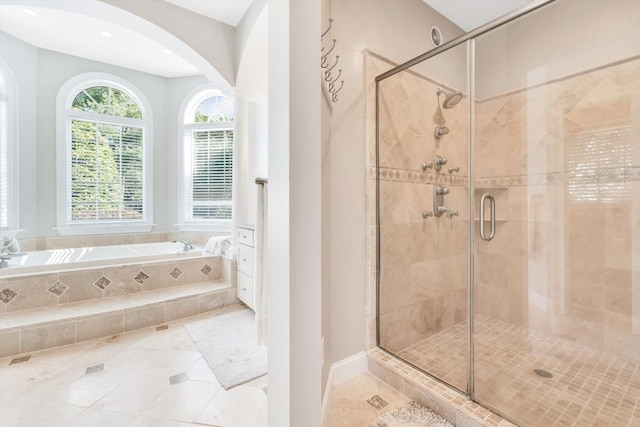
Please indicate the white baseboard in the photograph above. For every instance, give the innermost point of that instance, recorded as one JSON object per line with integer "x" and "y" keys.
{"x": 339, "y": 373}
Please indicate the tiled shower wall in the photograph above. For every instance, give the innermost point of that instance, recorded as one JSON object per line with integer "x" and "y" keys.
{"x": 563, "y": 160}
{"x": 423, "y": 261}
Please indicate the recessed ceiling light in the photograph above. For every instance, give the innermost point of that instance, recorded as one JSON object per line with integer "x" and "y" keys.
{"x": 167, "y": 51}
{"x": 106, "y": 33}
{"x": 30, "y": 12}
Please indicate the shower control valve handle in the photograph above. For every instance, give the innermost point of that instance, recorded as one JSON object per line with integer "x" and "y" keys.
{"x": 426, "y": 214}
{"x": 426, "y": 166}
{"x": 441, "y": 191}
{"x": 439, "y": 162}
{"x": 452, "y": 170}
{"x": 441, "y": 210}
{"x": 451, "y": 213}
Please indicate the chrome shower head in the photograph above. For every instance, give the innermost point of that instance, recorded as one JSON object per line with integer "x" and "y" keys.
{"x": 452, "y": 99}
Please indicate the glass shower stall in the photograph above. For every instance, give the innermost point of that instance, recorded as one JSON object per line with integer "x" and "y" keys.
{"x": 508, "y": 213}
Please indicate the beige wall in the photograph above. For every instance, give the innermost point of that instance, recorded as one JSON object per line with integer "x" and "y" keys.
{"x": 553, "y": 42}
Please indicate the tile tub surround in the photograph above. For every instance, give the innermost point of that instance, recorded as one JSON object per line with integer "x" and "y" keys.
{"x": 47, "y": 290}
{"x": 65, "y": 308}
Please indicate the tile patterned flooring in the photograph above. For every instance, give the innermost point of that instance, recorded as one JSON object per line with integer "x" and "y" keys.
{"x": 588, "y": 387}
{"x": 153, "y": 377}
{"x": 359, "y": 401}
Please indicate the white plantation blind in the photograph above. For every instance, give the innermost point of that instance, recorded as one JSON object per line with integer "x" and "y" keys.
{"x": 208, "y": 149}
{"x": 106, "y": 174}
{"x": 599, "y": 163}
{"x": 4, "y": 156}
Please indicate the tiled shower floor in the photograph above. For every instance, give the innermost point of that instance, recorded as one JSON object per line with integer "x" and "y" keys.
{"x": 587, "y": 388}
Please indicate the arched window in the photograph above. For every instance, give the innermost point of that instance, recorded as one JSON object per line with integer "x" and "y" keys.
{"x": 105, "y": 155}
{"x": 207, "y": 158}
{"x": 8, "y": 150}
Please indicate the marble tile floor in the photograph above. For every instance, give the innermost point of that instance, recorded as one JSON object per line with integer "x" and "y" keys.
{"x": 153, "y": 377}
{"x": 587, "y": 387}
{"x": 362, "y": 399}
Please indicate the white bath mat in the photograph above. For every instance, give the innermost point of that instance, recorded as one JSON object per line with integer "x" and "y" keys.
{"x": 411, "y": 415}
{"x": 228, "y": 344}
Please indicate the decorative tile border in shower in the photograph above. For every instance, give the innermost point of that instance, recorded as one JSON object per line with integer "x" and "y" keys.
{"x": 445, "y": 401}
{"x": 419, "y": 177}
{"x": 627, "y": 174}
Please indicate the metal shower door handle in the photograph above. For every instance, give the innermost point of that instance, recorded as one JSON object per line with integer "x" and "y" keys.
{"x": 492, "y": 201}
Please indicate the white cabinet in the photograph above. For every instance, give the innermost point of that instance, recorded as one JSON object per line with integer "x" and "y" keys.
{"x": 246, "y": 250}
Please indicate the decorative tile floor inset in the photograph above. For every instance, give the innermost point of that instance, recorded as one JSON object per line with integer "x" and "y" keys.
{"x": 377, "y": 402}
{"x": 93, "y": 369}
{"x": 587, "y": 385}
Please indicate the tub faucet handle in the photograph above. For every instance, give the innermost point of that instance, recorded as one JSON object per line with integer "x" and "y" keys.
{"x": 451, "y": 213}
{"x": 187, "y": 246}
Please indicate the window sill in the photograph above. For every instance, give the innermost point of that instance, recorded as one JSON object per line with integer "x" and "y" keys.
{"x": 10, "y": 233}
{"x": 80, "y": 230}
{"x": 221, "y": 227}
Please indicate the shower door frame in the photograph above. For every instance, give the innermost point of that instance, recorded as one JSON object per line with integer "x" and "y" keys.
{"x": 468, "y": 38}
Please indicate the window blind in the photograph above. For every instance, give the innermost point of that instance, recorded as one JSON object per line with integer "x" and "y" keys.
{"x": 106, "y": 172}
{"x": 208, "y": 192}
{"x": 599, "y": 162}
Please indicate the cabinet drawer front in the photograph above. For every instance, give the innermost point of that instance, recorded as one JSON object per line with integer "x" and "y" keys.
{"x": 245, "y": 260}
{"x": 245, "y": 236}
{"x": 245, "y": 289}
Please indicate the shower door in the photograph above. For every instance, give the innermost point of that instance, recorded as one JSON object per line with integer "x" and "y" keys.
{"x": 556, "y": 241}
{"x": 423, "y": 116}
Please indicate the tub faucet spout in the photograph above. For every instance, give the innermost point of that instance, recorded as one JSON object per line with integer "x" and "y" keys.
{"x": 187, "y": 246}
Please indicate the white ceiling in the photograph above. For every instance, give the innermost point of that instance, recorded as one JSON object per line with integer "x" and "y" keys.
{"x": 227, "y": 11}
{"x": 470, "y": 14}
{"x": 81, "y": 35}
{"x": 59, "y": 30}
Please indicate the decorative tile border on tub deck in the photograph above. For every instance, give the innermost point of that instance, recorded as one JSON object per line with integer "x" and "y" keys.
{"x": 445, "y": 401}
{"x": 58, "y": 288}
